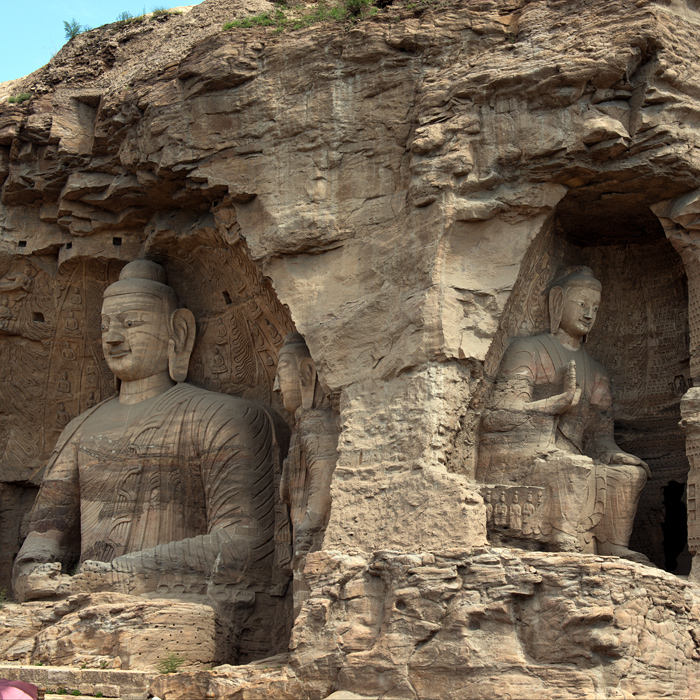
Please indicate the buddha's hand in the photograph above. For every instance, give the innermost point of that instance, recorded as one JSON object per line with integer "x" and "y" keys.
{"x": 560, "y": 403}
{"x": 43, "y": 581}
{"x": 620, "y": 457}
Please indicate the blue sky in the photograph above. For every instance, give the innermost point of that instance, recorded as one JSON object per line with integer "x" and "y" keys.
{"x": 33, "y": 29}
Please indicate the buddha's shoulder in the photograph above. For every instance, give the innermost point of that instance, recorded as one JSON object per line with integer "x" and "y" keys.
{"x": 204, "y": 398}
{"x": 529, "y": 343}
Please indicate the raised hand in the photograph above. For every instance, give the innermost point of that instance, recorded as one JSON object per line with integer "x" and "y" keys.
{"x": 560, "y": 403}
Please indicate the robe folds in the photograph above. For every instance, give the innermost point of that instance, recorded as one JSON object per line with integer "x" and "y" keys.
{"x": 182, "y": 483}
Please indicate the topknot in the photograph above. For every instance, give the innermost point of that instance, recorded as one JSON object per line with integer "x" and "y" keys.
{"x": 143, "y": 270}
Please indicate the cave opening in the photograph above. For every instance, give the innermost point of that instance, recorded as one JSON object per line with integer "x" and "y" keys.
{"x": 641, "y": 337}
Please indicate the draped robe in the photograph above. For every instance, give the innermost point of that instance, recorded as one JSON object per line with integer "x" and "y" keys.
{"x": 533, "y": 368}
{"x": 178, "y": 489}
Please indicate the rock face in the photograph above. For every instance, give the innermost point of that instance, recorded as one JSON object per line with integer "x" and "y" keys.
{"x": 492, "y": 623}
{"x": 401, "y": 191}
{"x": 495, "y": 623}
{"x": 109, "y": 630}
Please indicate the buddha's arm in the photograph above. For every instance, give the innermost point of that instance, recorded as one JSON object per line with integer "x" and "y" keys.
{"x": 55, "y": 522}
{"x": 601, "y": 431}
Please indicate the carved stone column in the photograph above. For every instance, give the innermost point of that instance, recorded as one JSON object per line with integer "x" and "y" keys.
{"x": 690, "y": 422}
{"x": 681, "y": 221}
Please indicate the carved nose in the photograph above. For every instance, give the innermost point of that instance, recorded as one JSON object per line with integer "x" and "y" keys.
{"x": 113, "y": 338}
{"x": 276, "y": 385}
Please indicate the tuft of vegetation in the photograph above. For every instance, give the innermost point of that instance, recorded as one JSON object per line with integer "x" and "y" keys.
{"x": 125, "y": 18}
{"x": 263, "y": 20}
{"x": 161, "y": 11}
{"x": 170, "y": 664}
{"x": 98, "y": 694}
{"x": 61, "y": 691}
{"x": 298, "y": 18}
{"x": 76, "y": 692}
{"x": 71, "y": 29}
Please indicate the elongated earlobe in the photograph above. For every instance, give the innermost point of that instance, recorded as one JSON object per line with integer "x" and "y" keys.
{"x": 182, "y": 332}
{"x": 556, "y": 308}
{"x": 307, "y": 380}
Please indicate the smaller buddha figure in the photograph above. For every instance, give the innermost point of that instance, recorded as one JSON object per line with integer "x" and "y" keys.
{"x": 91, "y": 374}
{"x": 71, "y": 323}
{"x": 218, "y": 362}
{"x": 63, "y": 384}
{"x": 308, "y": 469}
{"x": 91, "y": 400}
{"x": 500, "y": 512}
{"x": 515, "y": 516}
{"x": 62, "y": 417}
{"x": 489, "y": 507}
{"x": 198, "y": 370}
{"x": 528, "y": 512}
{"x": 67, "y": 353}
{"x": 221, "y": 333}
{"x": 75, "y": 297}
{"x": 550, "y": 424}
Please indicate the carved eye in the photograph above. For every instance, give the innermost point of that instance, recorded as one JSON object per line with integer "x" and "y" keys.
{"x": 104, "y": 327}
{"x": 129, "y": 323}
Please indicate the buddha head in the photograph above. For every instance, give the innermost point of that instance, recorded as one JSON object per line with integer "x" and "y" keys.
{"x": 144, "y": 331}
{"x": 296, "y": 374}
{"x": 573, "y": 302}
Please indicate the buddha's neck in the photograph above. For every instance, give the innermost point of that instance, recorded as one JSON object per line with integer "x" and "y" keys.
{"x": 144, "y": 389}
{"x": 570, "y": 342}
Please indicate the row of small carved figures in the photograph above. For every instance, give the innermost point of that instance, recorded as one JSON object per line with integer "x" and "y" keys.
{"x": 516, "y": 516}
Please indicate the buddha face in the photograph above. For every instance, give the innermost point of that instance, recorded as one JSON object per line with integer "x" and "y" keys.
{"x": 580, "y": 310}
{"x": 135, "y": 335}
{"x": 288, "y": 381}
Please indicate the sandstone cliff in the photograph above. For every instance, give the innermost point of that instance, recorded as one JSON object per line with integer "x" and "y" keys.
{"x": 399, "y": 189}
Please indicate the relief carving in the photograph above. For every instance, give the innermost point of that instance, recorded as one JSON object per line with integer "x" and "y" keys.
{"x": 690, "y": 422}
{"x": 308, "y": 469}
{"x": 550, "y": 424}
{"x": 43, "y": 364}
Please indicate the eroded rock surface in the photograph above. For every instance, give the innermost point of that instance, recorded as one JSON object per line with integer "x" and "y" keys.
{"x": 400, "y": 191}
{"x": 109, "y": 630}
{"x": 490, "y": 624}
{"x": 468, "y": 626}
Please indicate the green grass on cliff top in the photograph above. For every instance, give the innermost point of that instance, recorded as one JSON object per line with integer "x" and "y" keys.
{"x": 300, "y": 16}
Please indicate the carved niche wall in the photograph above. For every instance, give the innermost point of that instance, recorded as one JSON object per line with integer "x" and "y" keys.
{"x": 640, "y": 337}
{"x": 51, "y": 369}
{"x": 240, "y": 322}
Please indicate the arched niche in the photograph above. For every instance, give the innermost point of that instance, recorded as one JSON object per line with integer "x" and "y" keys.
{"x": 53, "y": 368}
{"x": 640, "y": 337}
